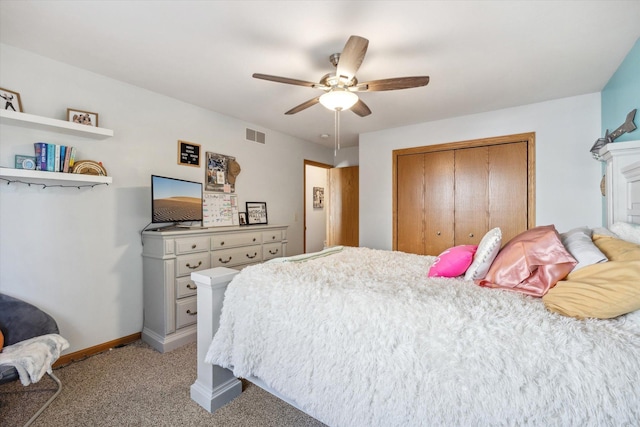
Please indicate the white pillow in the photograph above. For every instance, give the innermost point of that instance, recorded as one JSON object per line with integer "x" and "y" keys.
{"x": 579, "y": 244}
{"x": 627, "y": 231}
{"x": 487, "y": 251}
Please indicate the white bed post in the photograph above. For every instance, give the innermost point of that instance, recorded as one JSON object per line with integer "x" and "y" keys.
{"x": 215, "y": 386}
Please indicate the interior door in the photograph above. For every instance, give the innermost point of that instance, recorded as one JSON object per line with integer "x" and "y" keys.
{"x": 343, "y": 206}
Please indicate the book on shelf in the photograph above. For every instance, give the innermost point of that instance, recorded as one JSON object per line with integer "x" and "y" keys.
{"x": 41, "y": 155}
{"x": 51, "y": 156}
{"x": 72, "y": 158}
{"x": 67, "y": 155}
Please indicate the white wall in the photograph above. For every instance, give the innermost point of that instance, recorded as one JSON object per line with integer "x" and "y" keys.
{"x": 316, "y": 217}
{"x": 567, "y": 178}
{"x": 346, "y": 157}
{"x": 77, "y": 253}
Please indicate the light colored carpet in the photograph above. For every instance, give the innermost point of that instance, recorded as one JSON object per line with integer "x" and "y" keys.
{"x": 135, "y": 385}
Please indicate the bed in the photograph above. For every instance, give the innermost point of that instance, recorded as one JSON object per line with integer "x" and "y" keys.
{"x": 364, "y": 337}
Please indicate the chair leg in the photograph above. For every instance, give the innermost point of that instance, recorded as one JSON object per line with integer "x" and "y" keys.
{"x": 48, "y": 402}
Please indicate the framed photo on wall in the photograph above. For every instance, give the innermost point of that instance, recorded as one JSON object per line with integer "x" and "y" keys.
{"x": 11, "y": 100}
{"x": 256, "y": 212}
{"x": 82, "y": 117}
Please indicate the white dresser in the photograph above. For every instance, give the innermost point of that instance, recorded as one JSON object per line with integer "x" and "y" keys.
{"x": 169, "y": 258}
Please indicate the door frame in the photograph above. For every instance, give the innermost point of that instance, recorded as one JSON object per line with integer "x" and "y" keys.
{"x": 529, "y": 137}
{"x": 304, "y": 197}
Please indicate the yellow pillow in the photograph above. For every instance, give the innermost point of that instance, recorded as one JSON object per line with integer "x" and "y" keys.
{"x": 602, "y": 291}
{"x": 1, "y": 341}
{"x": 617, "y": 249}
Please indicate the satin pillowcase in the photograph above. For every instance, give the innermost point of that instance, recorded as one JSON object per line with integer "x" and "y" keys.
{"x": 531, "y": 263}
{"x": 487, "y": 251}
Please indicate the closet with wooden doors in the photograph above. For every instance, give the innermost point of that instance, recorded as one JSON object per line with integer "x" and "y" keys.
{"x": 452, "y": 194}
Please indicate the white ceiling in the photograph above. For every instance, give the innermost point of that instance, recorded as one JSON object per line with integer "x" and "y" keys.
{"x": 480, "y": 55}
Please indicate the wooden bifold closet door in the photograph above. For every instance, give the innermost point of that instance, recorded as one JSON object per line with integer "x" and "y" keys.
{"x": 452, "y": 194}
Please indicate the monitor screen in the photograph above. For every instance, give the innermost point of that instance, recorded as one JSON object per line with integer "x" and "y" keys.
{"x": 175, "y": 200}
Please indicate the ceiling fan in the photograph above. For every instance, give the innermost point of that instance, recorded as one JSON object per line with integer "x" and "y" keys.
{"x": 340, "y": 87}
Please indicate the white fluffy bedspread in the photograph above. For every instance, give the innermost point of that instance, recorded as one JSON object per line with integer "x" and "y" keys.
{"x": 364, "y": 338}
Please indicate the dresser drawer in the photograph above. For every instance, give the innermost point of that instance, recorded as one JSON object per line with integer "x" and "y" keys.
{"x": 186, "y": 312}
{"x": 271, "y": 250}
{"x": 235, "y": 239}
{"x": 192, "y": 244}
{"x": 185, "y": 287}
{"x": 237, "y": 256}
{"x": 187, "y": 264}
{"x": 271, "y": 236}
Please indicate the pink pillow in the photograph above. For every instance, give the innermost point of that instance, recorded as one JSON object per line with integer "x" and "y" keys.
{"x": 453, "y": 262}
{"x": 531, "y": 263}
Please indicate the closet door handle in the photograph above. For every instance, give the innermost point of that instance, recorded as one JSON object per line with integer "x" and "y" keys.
{"x": 470, "y": 234}
{"x": 438, "y": 233}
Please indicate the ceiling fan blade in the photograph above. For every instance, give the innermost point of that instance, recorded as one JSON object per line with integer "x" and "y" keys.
{"x": 304, "y": 106}
{"x": 283, "y": 80}
{"x": 393, "y": 84}
{"x": 361, "y": 109}
{"x": 352, "y": 56}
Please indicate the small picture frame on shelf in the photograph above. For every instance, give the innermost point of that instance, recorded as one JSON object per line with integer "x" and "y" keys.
{"x": 242, "y": 217}
{"x": 11, "y": 100}
{"x": 82, "y": 117}
{"x": 256, "y": 213}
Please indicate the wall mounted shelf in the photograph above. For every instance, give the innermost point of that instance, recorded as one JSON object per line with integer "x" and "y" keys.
{"x": 37, "y": 122}
{"x": 37, "y": 177}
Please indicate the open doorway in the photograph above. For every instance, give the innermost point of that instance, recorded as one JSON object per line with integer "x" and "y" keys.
{"x": 315, "y": 211}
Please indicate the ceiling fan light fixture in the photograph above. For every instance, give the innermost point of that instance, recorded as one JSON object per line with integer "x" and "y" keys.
{"x": 338, "y": 99}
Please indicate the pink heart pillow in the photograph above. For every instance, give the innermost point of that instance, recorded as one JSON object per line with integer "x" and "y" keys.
{"x": 453, "y": 262}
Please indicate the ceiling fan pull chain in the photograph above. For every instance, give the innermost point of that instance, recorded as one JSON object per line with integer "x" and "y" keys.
{"x": 336, "y": 132}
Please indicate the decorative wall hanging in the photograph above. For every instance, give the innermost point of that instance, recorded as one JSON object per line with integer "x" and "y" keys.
{"x": 11, "y": 100}
{"x": 627, "y": 126}
{"x": 188, "y": 154}
{"x": 318, "y": 197}
{"x": 221, "y": 173}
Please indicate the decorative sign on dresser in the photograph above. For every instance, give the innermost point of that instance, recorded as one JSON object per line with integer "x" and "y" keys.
{"x": 169, "y": 258}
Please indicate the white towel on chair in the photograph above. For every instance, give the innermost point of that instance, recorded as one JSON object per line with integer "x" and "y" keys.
{"x": 33, "y": 357}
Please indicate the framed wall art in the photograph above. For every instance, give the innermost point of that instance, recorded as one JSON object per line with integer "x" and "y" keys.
{"x": 82, "y": 117}
{"x": 11, "y": 100}
{"x": 188, "y": 154}
{"x": 318, "y": 197}
{"x": 256, "y": 212}
{"x": 221, "y": 173}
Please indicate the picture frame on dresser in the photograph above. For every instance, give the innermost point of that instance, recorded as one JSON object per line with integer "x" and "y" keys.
{"x": 11, "y": 100}
{"x": 242, "y": 218}
{"x": 256, "y": 213}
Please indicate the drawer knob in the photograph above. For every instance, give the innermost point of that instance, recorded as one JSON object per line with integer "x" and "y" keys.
{"x": 193, "y": 267}
{"x": 273, "y": 253}
{"x": 254, "y": 239}
{"x": 194, "y": 246}
{"x": 224, "y": 262}
{"x": 273, "y": 237}
{"x": 255, "y": 254}
{"x": 222, "y": 243}
{"x": 192, "y": 287}
{"x": 192, "y": 313}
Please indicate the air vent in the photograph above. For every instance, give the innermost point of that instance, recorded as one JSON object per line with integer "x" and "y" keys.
{"x": 255, "y": 136}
